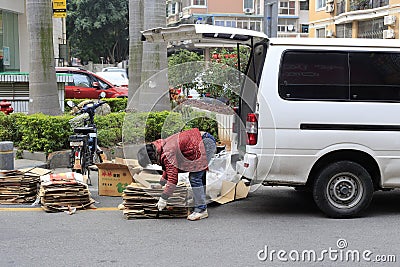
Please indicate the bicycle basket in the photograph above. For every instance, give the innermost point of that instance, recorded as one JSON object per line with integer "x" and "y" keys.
{"x": 79, "y": 120}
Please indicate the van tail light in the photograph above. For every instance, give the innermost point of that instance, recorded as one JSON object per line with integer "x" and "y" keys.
{"x": 235, "y": 118}
{"x": 252, "y": 128}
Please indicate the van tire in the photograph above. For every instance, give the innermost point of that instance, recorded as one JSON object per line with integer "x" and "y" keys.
{"x": 343, "y": 189}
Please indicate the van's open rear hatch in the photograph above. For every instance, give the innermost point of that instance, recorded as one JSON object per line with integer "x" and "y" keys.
{"x": 203, "y": 35}
{"x": 208, "y": 36}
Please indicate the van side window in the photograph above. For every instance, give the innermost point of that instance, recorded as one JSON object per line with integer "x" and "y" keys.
{"x": 315, "y": 75}
{"x": 351, "y": 76}
{"x": 375, "y": 76}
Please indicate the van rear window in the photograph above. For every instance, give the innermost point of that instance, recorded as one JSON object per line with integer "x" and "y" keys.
{"x": 341, "y": 76}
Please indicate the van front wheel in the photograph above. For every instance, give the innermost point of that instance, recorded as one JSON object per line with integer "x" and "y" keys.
{"x": 343, "y": 189}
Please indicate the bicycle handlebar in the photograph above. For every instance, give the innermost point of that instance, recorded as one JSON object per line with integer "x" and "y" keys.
{"x": 91, "y": 107}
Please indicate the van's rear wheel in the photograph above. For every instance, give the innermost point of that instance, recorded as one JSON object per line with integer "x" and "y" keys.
{"x": 343, "y": 189}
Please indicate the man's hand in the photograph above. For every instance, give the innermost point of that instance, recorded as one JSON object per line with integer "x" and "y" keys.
{"x": 161, "y": 204}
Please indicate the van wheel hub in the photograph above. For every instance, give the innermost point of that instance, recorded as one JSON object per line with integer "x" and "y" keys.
{"x": 344, "y": 190}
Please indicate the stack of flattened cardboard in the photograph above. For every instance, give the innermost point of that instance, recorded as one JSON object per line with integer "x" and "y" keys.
{"x": 63, "y": 192}
{"x": 19, "y": 186}
{"x": 139, "y": 200}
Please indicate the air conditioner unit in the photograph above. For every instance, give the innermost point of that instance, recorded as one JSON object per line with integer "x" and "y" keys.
{"x": 330, "y": 1}
{"x": 328, "y": 33}
{"x": 329, "y": 8}
{"x": 248, "y": 11}
{"x": 389, "y": 20}
{"x": 290, "y": 28}
{"x": 388, "y": 34}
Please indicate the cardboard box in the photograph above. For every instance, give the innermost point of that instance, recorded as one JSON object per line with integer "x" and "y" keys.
{"x": 115, "y": 176}
{"x": 231, "y": 191}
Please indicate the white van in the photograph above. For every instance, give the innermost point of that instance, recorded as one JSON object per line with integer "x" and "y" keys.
{"x": 324, "y": 116}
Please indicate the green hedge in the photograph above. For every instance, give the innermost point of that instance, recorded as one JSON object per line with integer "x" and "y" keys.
{"x": 116, "y": 104}
{"x": 46, "y": 133}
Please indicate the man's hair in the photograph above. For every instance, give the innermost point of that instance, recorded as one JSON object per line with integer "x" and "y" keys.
{"x": 147, "y": 155}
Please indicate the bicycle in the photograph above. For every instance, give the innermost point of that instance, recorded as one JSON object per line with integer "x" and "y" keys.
{"x": 84, "y": 148}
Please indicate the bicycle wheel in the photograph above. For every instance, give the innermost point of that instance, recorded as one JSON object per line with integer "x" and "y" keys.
{"x": 85, "y": 162}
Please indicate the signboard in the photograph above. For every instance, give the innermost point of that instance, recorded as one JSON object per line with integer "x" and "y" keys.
{"x": 59, "y": 14}
{"x": 6, "y": 56}
{"x": 59, "y": 8}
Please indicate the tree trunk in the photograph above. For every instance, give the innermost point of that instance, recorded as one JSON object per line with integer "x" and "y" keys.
{"x": 155, "y": 94}
{"x": 135, "y": 49}
{"x": 43, "y": 92}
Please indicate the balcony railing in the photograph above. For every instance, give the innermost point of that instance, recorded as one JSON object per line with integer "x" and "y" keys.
{"x": 367, "y": 4}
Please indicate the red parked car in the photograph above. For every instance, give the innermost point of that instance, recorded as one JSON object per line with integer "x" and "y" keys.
{"x": 86, "y": 84}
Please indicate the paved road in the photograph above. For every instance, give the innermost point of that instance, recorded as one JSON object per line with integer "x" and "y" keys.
{"x": 235, "y": 234}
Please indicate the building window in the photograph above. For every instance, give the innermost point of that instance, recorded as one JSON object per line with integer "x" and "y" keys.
{"x": 219, "y": 23}
{"x": 199, "y": 2}
{"x": 258, "y": 7}
{"x": 304, "y": 28}
{"x": 344, "y": 30}
{"x": 320, "y": 33}
{"x": 248, "y": 4}
{"x": 287, "y": 7}
{"x": 320, "y": 4}
{"x": 371, "y": 29}
{"x": 172, "y": 9}
{"x": 249, "y": 24}
{"x": 226, "y": 23}
{"x": 230, "y": 23}
{"x": 304, "y": 5}
{"x": 9, "y": 41}
{"x": 287, "y": 25}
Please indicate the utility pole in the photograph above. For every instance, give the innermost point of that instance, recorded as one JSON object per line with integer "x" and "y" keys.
{"x": 271, "y": 18}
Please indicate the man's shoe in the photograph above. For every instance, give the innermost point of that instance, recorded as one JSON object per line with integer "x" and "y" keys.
{"x": 198, "y": 215}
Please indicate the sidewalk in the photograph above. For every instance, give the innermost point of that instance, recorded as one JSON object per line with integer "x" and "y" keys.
{"x": 28, "y": 163}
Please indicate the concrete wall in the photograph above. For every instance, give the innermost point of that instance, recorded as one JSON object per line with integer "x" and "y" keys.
{"x": 225, "y": 6}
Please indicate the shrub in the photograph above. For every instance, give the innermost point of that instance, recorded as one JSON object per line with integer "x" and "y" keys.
{"x": 43, "y": 132}
{"x": 109, "y": 129}
{"x": 46, "y": 133}
{"x": 9, "y": 127}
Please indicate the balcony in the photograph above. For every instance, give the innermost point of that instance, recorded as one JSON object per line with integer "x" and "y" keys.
{"x": 367, "y": 4}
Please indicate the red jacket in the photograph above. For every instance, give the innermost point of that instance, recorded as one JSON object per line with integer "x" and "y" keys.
{"x": 181, "y": 152}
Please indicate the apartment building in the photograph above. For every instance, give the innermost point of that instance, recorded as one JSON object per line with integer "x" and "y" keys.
{"x": 376, "y": 19}
{"x": 246, "y": 14}
{"x": 14, "y": 45}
